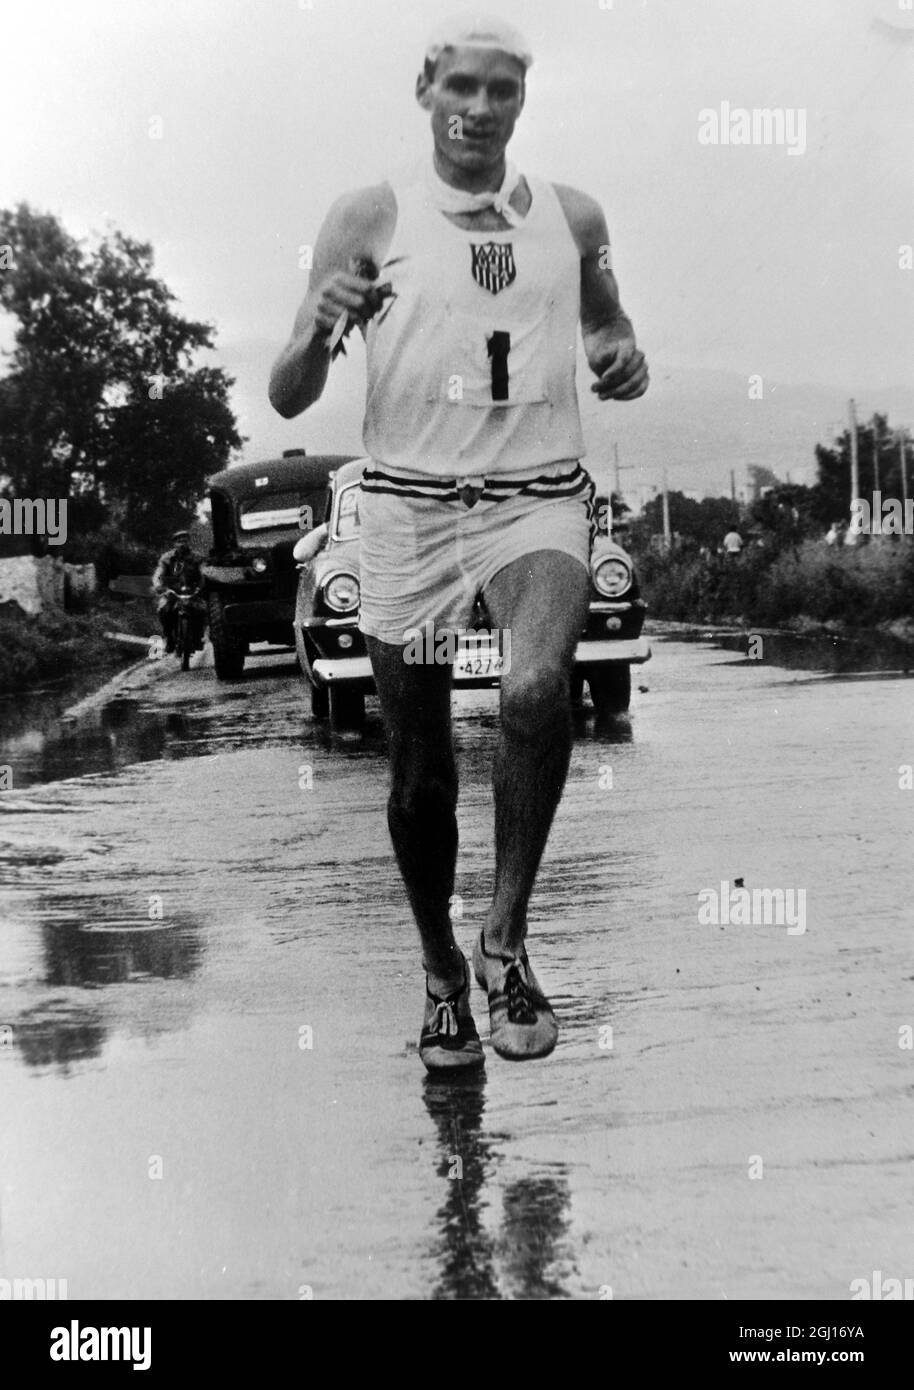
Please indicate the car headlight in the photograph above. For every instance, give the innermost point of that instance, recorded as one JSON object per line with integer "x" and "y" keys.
{"x": 341, "y": 593}
{"x": 612, "y": 576}
{"x": 259, "y": 565}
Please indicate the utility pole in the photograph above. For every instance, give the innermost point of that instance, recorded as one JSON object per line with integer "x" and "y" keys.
{"x": 855, "y": 475}
{"x": 875, "y": 455}
{"x": 627, "y": 468}
{"x": 732, "y": 484}
{"x": 903, "y": 459}
{"x": 667, "y": 535}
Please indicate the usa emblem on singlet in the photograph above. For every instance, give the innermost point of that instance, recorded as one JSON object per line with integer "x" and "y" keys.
{"x": 493, "y": 265}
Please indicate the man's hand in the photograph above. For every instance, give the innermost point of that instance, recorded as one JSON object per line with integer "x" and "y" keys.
{"x": 621, "y": 370}
{"x": 342, "y": 292}
{"x": 358, "y": 228}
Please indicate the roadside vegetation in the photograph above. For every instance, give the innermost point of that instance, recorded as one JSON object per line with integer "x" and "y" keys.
{"x": 53, "y": 646}
{"x": 814, "y": 585}
{"x": 794, "y": 569}
{"x": 105, "y": 404}
{"x": 102, "y": 400}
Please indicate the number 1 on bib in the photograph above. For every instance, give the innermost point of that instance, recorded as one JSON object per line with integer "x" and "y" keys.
{"x": 499, "y": 345}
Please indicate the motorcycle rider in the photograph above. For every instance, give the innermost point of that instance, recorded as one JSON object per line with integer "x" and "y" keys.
{"x": 179, "y": 568}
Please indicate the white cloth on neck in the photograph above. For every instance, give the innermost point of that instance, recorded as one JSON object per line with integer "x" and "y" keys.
{"x": 455, "y": 200}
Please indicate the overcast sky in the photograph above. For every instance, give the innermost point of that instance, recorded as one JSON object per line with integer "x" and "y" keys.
{"x": 736, "y": 258}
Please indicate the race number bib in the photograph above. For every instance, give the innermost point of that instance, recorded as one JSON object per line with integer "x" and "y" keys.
{"x": 495, "y": 362}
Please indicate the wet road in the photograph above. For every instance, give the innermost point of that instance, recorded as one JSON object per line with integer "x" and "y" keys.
{"x": 210, "y": 996}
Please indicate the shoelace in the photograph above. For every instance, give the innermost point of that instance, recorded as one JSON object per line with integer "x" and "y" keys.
{"x": 517, "y": 993}
{"x": 446, "y": 1018}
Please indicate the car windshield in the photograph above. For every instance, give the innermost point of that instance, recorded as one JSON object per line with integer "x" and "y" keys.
{"x": 275, "y": 509}
{"x": 347, "y": 513}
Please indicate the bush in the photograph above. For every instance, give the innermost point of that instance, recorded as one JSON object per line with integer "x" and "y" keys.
{"x": 857, "y": 587}
{"x": 34, "y": 651}
{"x": 111, "y": 552}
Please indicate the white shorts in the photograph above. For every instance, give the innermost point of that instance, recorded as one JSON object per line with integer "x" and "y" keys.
{"x": 425, "y": 555}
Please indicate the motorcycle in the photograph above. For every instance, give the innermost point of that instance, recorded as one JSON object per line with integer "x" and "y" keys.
{"x": 186, "y": 625}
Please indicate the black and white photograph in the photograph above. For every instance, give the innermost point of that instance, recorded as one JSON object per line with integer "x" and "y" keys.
{"x": 456, "y": 625}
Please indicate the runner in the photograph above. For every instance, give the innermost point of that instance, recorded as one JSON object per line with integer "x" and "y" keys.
{"x": 468, "y": 281}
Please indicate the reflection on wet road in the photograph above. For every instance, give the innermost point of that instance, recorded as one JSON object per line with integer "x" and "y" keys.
{"x": 210, "y": 998}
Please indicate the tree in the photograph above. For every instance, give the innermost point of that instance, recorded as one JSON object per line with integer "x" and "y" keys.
{"x": 833, "y": 491}
{"x": 704, "y": 523}
{"x": 102, "y": 403}
{"x": 620, "y": 508}
{"x": 760, "y": 477}
{"x": 788, "y": 512}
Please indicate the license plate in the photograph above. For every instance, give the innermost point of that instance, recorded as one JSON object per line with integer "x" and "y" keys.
{"x": 471, "y": 663}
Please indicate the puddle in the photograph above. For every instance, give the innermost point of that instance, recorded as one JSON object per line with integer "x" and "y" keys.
{"x": 862, "y": 654}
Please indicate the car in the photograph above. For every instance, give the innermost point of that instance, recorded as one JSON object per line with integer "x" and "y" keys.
{"x": 332, "y": 652}
{"x": 258, "y": 511}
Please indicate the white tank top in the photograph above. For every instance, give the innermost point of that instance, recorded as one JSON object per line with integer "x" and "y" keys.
{"x": 471, "y": 368}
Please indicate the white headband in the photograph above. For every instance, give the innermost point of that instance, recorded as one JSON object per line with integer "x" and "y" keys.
{"x": 479, "y": 31}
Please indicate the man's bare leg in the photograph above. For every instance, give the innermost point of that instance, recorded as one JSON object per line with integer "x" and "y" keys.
{"x": 421, "y": 810}
{"x": 542, "y": 601}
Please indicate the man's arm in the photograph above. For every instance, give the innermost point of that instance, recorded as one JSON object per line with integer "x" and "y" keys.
{"x": 358, "y": 226}
{"x": 158, "y": 579}
{"x": 609, "y": 338}
{"x": 304, "y": 551}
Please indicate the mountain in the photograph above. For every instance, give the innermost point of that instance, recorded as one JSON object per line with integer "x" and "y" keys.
{"x": 700, "y": 424}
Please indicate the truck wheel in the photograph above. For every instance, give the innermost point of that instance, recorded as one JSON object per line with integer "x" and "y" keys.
{"x": 347, "y": 710}
{"x": 611, "y": 690}
{"x": 228, "y": 650}
{"x": 320, "y": 702}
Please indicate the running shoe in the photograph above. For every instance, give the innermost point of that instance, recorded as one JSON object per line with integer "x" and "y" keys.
{"x": 522, "y": 1023}
{"x": 449, "y": 1038}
